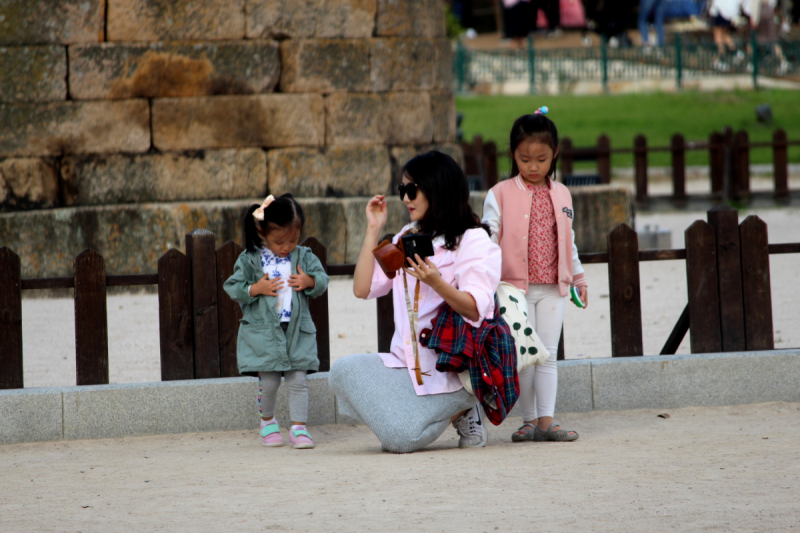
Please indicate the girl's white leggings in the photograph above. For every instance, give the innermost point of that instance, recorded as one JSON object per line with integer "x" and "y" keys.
{"x": 538, "y": 384}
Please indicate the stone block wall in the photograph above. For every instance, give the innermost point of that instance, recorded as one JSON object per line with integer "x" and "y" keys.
{"x": 129, "y": 101}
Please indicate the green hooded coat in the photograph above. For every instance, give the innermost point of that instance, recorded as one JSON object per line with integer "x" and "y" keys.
{"x": 262, "y": 345}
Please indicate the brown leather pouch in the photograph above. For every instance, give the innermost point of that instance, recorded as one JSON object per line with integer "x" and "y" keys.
{"x": 390, "y": 257}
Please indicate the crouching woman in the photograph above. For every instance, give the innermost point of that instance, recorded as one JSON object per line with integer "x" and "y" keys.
{"x": 400, "y": 395}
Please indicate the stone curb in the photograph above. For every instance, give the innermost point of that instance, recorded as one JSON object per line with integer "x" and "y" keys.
{"x": 228, "y": 404}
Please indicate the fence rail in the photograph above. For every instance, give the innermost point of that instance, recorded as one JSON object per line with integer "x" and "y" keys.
{"x": 729, "y": 305}
{"x": 683, "y": 60}
{"x": 729, "y": 163}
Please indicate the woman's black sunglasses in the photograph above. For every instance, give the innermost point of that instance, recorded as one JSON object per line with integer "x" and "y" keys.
{"x": 409, "y": 189}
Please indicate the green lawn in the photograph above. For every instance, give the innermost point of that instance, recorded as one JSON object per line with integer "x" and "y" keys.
{"x": 622, "y": 117}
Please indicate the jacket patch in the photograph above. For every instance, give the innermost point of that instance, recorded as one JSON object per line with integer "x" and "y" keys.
{"x": 568, "y": 211}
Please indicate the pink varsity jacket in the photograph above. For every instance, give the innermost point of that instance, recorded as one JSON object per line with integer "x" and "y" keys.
{"x": 507, "y": 210}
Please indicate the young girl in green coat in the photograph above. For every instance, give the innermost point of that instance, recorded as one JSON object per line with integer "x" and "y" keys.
{"x": 272, "y": 282}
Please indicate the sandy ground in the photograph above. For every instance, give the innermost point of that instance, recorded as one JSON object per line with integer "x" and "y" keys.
{"x": 703, "y": 469}
{"x": 49, "y": 338}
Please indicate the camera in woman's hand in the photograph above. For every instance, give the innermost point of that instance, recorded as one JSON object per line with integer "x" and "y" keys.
{"x": 392, "y": 257}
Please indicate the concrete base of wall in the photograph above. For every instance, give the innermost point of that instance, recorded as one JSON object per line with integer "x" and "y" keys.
{"x": 128, "y": 410}
{"x": 131, "y": 237}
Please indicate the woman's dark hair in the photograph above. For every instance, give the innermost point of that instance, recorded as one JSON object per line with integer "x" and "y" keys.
{"x": 444, "y": 184}
{"x": 537, "y": 128}
{"x": 283, "y": 212}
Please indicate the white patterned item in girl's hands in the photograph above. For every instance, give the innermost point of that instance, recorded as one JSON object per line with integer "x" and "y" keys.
{"x": 514, "y": 310}
{"x": 279, "y": 267}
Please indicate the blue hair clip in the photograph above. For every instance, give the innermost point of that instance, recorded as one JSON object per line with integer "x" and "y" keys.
{"x": 542, "y": 110}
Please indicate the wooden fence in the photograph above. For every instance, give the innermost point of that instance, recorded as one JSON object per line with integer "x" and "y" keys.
{"x": 729, "y": 301}
{"x": 729, "y": 162}
{"x": 480, "y": 163}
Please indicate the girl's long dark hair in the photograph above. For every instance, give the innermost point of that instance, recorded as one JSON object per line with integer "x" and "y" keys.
{"x": 534, "y": 128}
{"x": 284, "y": 212}
{"x": 445, "y": 186}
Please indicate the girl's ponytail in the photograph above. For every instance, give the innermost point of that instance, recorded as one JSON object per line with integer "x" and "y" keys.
{"x": 252, "y": 239}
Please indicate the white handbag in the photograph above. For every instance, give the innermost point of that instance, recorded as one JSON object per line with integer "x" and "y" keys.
{"x": 514, "y": 310}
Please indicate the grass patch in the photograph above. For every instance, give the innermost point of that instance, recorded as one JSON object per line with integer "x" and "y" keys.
{"x": 658, "y": 116}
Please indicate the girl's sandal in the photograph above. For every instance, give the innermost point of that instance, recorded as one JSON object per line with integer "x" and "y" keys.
{"x": 526, "y": 432}
{"x": 555, "y": 435}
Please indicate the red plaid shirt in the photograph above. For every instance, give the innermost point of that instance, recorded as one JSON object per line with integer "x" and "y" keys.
{"x": 488, "y": 352}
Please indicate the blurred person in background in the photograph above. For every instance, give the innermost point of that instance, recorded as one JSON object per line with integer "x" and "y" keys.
{"x": 654, "y": 9}
{"x": 761, "y": 15}
{"x": 519, "y": 19}
{"x": 723, "y": 13}
{"x": 610, "y": 19}
{"x": 552, "y": 10}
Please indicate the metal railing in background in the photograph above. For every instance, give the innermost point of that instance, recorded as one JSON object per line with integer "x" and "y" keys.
{"x": 537, "y": 70}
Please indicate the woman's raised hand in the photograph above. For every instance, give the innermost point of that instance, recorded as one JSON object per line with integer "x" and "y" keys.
{"x": 377, "y": 213}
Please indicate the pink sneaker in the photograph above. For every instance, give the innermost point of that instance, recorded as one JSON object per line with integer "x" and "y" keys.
{"x": 300, "y": 439}
{"x": 271, "y": 435}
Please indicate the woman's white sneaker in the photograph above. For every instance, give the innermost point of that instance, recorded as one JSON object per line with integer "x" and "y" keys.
{"x": 471, "y": 428}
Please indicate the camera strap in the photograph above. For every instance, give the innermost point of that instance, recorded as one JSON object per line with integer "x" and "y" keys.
{"x": 413, "y": 317}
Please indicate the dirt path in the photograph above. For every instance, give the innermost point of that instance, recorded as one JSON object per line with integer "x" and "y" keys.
{"x": 703, "y": 469}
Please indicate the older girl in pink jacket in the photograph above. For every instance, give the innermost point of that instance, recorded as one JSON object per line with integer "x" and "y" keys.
{"x": 530, "y": 216}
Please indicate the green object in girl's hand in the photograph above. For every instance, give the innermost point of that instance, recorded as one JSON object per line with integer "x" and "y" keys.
{"x": 576, "y": 297}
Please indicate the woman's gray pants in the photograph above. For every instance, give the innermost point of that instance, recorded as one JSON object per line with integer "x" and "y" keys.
{"x": 384, "y": 399}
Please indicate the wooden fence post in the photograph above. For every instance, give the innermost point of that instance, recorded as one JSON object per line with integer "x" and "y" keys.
{"x": 604, "y": 158}
{"x": 91, "y": 320}
{"x": 780, "y": 163}
{"x": 701, "y": 284}
{"x": 10, "y": 320}
{"x": 566, "y": 157}
{"x": 741, "y": 159}
{"x": 490, "y": 164}
{"x": 473, "y": 156}
{"x": 725, "y": 221}
{"x": 229, "y": 313}
{"x": 625, "y": 292}
{"x": 728, "y": 165}
{"x": 319, "y": 308}
{"x": 756, "y": 284}
{"x": 640, "y": 166}
{"x": 200, "y": 250}
{"x": 678, "y": 148}
{"x": 716, "y": 162}
{"x": 175, "y": 323}
{"x": 470, "y": 160}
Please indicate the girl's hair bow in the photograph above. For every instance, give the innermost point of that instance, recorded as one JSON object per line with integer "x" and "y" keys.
{"x": 258, "y": 214}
